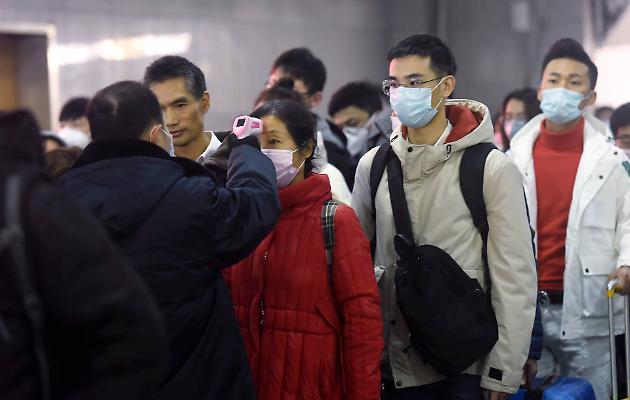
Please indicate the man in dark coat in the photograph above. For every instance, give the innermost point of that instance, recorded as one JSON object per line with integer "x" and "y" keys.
{"x": 178, "y": 229}
{"x": 102, "y": 335}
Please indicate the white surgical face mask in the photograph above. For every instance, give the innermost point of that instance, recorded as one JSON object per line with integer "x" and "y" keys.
{"x": 357, "y": 139}
{"x": 171, "y": 150}
{"x": 283, "y": 161}
{"x": 74, "y": 137}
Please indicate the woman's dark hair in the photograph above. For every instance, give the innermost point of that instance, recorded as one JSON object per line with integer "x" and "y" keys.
{"x": 59, "y": 161}
{"x": 20, "y": 137}
{"x": 299, "y": 121}
{"x": 54, "y": 138}
{"x": 529, "y": 97}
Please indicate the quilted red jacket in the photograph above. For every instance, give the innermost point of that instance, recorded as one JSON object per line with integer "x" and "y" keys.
{"x": 310, "y": 334}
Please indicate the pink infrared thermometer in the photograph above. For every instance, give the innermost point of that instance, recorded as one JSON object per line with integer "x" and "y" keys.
{"x": 246, "y": 125}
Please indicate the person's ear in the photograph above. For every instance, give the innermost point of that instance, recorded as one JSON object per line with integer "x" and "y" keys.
{"x": 448, "y": 86}
{"x": 205, "y": 101}
{"x": 315, "y": 99}
{"x": 154, "y": 135}
{"x": 591, "y": 99}
{"x": 308, "y": 149}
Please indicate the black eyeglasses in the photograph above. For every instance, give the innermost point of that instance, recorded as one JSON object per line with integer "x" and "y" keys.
{"x": 389, "y": 84}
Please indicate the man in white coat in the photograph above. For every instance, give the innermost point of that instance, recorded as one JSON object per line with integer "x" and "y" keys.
{"x": 434, "y": 134}
{"x": 578, "y": 192}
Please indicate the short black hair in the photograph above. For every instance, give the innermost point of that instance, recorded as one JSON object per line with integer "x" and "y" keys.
{"x": 620, "y": 118}
{"x": 442, "y": 60}
{"x": 283, "y": 89}
{"x": 74, "y": 108}
{"x": 363, "y": 95}
{"x": 300, "y": 123}
{"x": 300, "y": 63}
{"x": 573, "y": 50}
{"x": 601, "y": 110}
{"x": 529, "y": 97}
{"x": 173, "y": 67}
{"x": 124, "y": 110}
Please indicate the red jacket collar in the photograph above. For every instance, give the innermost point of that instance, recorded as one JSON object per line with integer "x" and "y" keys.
{"x": 463, "y": 119}
{"x": 315, "y": 188}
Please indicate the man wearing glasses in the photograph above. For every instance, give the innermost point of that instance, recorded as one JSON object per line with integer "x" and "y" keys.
{"x": 433, "y": 135}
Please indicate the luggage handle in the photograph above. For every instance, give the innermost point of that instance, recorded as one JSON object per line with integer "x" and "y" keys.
{"x": 611, "y": 289}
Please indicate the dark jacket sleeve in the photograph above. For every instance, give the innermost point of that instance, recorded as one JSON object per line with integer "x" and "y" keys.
{"x": 247, "y": 209}
{"x": 107, "y": 336}
{"x": 536, "y": 345}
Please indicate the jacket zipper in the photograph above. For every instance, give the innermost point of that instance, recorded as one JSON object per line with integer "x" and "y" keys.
{"x": 262, "y": 301}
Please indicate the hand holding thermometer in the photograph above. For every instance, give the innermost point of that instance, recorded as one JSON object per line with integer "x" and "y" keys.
{"x": 246, "y": 125}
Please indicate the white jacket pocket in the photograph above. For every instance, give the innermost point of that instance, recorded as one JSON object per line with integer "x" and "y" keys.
{"x": 595, "y": 270}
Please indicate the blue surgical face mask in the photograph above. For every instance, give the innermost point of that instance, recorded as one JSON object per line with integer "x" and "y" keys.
{"x": 561, "y": 105}
{"x": 513, "y": 126}
{"x": 413, "y": 105}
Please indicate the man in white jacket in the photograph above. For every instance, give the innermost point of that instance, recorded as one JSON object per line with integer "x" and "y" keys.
{"x": 578, "y": 192}
{"x": 429, "y": 144}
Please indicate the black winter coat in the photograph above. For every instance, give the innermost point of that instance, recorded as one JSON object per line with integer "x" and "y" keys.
{"x": 178, "y": 229}
{"x": 104, "y": 333}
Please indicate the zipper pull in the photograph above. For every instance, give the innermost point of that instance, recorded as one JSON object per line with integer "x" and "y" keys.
{"x": 262, "y": 313}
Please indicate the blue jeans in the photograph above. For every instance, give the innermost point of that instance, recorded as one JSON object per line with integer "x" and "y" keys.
{"x": 461, "y": 387}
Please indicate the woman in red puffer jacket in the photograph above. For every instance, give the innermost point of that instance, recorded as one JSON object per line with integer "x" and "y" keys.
{"x": 311, "y": 331}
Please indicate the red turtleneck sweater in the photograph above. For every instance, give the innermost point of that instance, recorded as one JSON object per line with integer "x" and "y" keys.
{"x": 556, "y": 160}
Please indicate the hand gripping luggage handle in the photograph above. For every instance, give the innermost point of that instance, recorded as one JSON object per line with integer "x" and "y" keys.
{"x": 611, "y": 290}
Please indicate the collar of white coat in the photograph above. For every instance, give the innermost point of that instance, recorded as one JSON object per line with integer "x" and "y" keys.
{"x": 596, "y": 145}
{"x": 212, "y": 147}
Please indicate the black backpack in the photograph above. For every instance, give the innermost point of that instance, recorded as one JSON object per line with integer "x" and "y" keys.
{"x": 12, "y": 240}
{"x": 450, "y": 319}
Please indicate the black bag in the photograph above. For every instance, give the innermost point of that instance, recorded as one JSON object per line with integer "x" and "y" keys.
{"x": 450, "y": 319}
{"x": 12, "y": 238}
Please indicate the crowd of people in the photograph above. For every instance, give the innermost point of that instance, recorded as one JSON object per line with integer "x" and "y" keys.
{"x": 408, "y": 245}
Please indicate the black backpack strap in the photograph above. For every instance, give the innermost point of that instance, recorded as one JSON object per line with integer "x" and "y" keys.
{"x": 376, "y": 171}
{"x": 328, "y": 228}
{"x": 471, "y": 177}
{"x": 402, "y": 220}
{"x": 13, "y": 238}
{"x": 379, "y": 163}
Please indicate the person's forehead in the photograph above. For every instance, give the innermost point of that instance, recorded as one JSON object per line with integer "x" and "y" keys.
{"x": 411, "y": 65}
{"x": 271, "y": 122}
{"x": 350, "y": 112}
{"x": 170, "y": 90}
{"x": 566, "y": 67}
{"x": 623, "y": 130}
{"x": 514, "y": 105}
